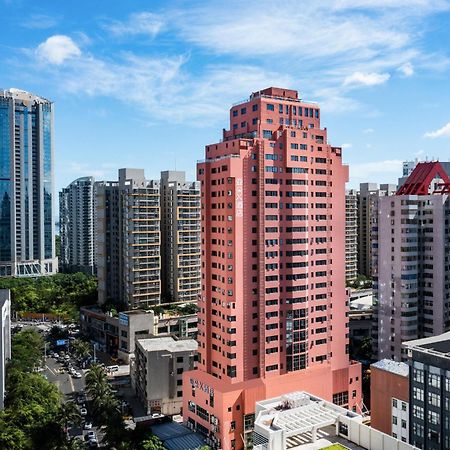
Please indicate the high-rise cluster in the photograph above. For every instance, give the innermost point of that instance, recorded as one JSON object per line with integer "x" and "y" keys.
{"x": 273, "y": 304}
{"x": 27, "y": 246}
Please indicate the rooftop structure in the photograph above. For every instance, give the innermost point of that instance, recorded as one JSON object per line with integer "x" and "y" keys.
{"x": 388, "y": 365}
{"x": 168, "y": 344}
{"x": 420, "y": 180}
{"x": 301, "y": 420}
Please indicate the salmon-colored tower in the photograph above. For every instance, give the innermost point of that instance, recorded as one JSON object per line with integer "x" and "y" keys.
{"x": 273, "y": 305}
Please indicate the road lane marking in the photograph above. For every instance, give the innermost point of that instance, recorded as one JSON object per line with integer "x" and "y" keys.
{"x": 51, "y": 370}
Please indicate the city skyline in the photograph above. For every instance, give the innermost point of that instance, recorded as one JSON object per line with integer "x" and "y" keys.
{"x": 148, "y": 74}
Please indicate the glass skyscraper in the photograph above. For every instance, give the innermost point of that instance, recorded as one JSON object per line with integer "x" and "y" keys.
{"x": 27, "y": 245}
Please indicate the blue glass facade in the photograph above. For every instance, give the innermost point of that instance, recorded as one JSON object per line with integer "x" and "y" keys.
{"x": 5, "y": 181}
{"x": 47, "y": 174}
{"x": 26, "y": 188}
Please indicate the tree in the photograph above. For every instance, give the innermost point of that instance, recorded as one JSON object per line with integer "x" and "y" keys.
{"x": 153, "y": 443}
{"x": 27, "y": 348}
{"x": 68, "y": 413}
{"x": 82, "y": 349}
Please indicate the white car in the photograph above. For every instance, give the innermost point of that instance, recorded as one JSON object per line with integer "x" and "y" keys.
{"x": 83, "y": 411}
{"x": 76, "y": 374}
{"x": 88, "y": 426}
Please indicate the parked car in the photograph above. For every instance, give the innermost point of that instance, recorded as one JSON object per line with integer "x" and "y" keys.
{"x": 76, "y": 374}
{"x": 93, "y": 443}
{"x": 87, "y": 426}
{"x": 83, "y": 412}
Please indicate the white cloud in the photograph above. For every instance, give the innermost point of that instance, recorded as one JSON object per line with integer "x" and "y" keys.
{"x": 57, "y": 49}
{"x": 347, "y": 145}
{"x": 441, "y": 132}
{"x": 368, "y": 131}
{"x": 163, "y": 88}
{"x": 139, "y": 23}
{"x": 366, "y": 79}
{"x": 406, "y": 69}
{"x": 40, "y": 22}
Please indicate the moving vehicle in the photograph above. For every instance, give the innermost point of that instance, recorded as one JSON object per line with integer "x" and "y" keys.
{"x": 76, "y": 374}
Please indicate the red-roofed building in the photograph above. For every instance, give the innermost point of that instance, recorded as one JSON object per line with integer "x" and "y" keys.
{"x": 411, "y": 256}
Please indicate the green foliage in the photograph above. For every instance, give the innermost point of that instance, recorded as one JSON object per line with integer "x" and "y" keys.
{"x": 152, "y": 443}
{"x": 27, "y": 348}
{"x": 32, "y": 403}
{"x": 58, "y": 245}
{"x": 364, "y": 350}
{"x": 361, "y": 282}
{"x": 59, "y": 294}
{"x": 82, "y": 349}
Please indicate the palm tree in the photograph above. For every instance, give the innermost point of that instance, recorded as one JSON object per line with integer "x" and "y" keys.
{"x": 81, "y": 348}
{"x": 68, "y": 413}
{"x": 95, "y": 380}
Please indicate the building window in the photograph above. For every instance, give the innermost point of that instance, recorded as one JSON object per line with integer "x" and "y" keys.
{"x": 341, "y": 398}
{"x": 418, "y": 375}
{"x": 433, "y": 418}
{"x": 394, "y": 402}
{"x": 434, "y": 380}
{"x": 417, "y": 393}
{"x": 270, "y": 107}
{"x": 394, "y": 420}
{"x": 434, "y": 399}
{"x": 418, "y": 412}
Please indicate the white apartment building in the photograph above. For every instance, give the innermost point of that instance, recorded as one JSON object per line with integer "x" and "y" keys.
{"x": 351, "y": 235}
{"x": 76, "y": 220}
{"x": 5, "y": 339}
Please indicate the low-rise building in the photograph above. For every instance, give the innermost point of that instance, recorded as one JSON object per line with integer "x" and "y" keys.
{"x": 157, "y": 372}
{"x": 5, "y": 339}
{"x": 301, "y": 420}
{"x": 116, "y": 334}
{"x": 429, "y": 391}
{"x": 389, "y": 398}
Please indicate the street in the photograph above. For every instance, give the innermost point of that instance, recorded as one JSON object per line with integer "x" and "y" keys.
{"x": 71, "y": 387}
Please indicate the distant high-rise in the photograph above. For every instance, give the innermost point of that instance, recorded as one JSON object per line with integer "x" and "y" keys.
{"x": 180, "y": 237}
{"x": 411, "y": 262}
{"x": 273, "y": 309}
{"x": 351, "y": 235}
{"x": 27, "y": 246}
{"x": 369, "y": 193}
{"x": 76, "y": 218}
{"x": 408, "y": 167}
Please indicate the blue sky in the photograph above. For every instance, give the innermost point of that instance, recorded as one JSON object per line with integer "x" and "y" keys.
{"x": 149, "y": 83}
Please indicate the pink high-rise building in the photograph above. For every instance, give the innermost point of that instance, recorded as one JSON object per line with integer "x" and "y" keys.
{"x": 273, "y": 305}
